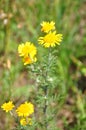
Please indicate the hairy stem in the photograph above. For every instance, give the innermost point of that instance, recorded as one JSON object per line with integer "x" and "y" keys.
{"x": 46, "y": 89}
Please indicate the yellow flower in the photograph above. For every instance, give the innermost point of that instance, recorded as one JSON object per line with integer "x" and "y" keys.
{"x": 50, "y": 39}
{"x": 7, "y": 106}
{"x": 47, "y": 26}
{"x": 28, "y": 51}
{"x": 28, "y": 60}
{"x": 25, "y": 121}
{"x": 25, "y": 109}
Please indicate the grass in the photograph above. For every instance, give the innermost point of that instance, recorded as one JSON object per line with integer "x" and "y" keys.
{"x": 23, "y": 24}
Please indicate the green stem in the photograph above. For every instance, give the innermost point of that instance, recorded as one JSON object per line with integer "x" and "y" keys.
{"x": 45, "y": 106}
{"x": 46, "y": 91}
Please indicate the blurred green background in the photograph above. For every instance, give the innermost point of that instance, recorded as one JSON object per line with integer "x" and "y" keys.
{"x": 20, "y": 22}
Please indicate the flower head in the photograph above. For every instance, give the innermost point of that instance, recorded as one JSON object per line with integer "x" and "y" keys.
{"x": 25, "y": 121}
{"x": 28, "y": 51}
{"x": 25, "y": 109}
{"x": 47, "y": 26}
{"x": 29, "y": 60}
{"x": 7, "y": 106}
{"x": 50, "y": 39}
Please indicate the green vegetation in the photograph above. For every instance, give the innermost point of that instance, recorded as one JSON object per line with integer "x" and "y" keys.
{"x": 20, "y": 22}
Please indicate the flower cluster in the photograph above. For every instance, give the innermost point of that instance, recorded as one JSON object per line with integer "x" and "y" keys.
{"x": 51, "y": 38}
{"x": 28, "y": 51}
{"x": 23, "y": 111}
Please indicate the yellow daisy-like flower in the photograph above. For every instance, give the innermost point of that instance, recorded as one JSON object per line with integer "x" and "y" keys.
{"x": 47, "y": 26}
{"x": 50, "y": 39}
{"x": 25, "y": 121}
{"x": 28, "y": 60}
{"x": 8, "y": 106}
{"x": 25, "y": 109}
{"x": 28, "y": 51}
